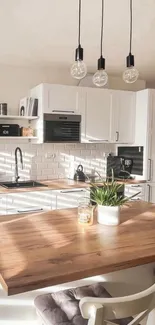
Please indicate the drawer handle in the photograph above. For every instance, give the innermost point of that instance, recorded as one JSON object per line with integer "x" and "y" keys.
{"x": 135, "y": 199}
{"x": 77, "y": 191}
{"x": 97, "y": 141}
{"x": 59, "y": 110}
{"x": 135, "y": 185}
{"x": 30, "y": 210}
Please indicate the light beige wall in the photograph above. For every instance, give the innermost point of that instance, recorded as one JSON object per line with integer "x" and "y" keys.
{"x": 15, "y": 82}
{"x": 115, "y": 83}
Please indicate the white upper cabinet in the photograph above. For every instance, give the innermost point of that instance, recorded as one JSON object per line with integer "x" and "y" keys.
{"x": 62, "y": 99}
{"x": 98, "y": 105}
{"x": 106, "y": 115}
{"x": 123, "y": 114}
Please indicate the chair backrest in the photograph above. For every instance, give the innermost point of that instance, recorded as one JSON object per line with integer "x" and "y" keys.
{"x": 101, "y": 309}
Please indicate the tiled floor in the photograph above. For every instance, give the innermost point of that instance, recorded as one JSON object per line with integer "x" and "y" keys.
{"x": 19, "y": 309}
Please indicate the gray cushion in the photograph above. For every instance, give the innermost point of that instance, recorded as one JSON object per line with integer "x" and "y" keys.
{"x": 62, "y": 308}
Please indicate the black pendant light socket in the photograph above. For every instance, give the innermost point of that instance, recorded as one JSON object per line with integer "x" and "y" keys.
{"x": 101, "y": 63}
{"x": 79, "y": 53}
{"x": 130, "y": 62}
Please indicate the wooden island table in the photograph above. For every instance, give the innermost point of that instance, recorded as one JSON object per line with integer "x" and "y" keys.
{"x": 44, "y": 249}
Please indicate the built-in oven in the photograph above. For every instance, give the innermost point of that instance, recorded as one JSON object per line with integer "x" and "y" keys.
{"x": 62, "y": 128}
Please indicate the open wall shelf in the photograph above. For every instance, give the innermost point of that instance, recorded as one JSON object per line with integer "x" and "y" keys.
{"x": 18, "y": 138}
{"x": 18, "y": 117}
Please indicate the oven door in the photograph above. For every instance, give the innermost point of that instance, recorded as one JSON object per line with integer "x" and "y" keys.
{"x": 62, "y": 128}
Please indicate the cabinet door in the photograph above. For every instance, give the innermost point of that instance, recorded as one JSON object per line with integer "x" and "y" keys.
{"x": 63, "y": 99}
{"x": 123, "y": 116}
{"x": 70, "y": 198}
{"x": 98, "y": 113}
{"x": 132, "y": 189}
{"x": 3, "y": 206}
{"x": 150, "y": 193}
{"x": 151, "y": 137}
{"x": 30, "y": 201}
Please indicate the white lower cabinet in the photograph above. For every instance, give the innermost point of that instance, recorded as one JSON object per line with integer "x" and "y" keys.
{"x": 150, "y": 193}
{"x": 3, "y": 206}
{"x": 66, "y": 199}
{"x": 29, "y": 201}
{"x": 131, "y": 189}
{"x": 15, "y": 203}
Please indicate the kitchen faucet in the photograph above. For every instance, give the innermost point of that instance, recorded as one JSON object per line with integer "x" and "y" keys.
{"x": 16, "y": 163}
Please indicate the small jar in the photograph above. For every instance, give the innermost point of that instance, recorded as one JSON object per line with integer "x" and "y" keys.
{"x": 85, "y": 213}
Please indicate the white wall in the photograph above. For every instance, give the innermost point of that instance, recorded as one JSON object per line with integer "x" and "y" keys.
{"x": 15, "y": 82}
{"x": 115, "y": 83}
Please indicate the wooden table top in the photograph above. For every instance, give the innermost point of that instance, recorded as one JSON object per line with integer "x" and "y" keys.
{"x": 61, "y": 184}
{"x": 44, "y": 249}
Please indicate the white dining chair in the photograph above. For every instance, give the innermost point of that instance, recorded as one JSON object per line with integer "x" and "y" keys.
{"x": 102, "y": 311}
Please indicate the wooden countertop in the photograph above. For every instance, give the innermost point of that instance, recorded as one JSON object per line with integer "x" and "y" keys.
{"x": 44, "y": 249}
{"x": 60, "y": 184}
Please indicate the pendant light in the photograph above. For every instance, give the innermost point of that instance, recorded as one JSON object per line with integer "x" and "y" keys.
{"x": 100, "y": 78}
{"x": 79, "y": 69}
{"x": 131, "y": 74}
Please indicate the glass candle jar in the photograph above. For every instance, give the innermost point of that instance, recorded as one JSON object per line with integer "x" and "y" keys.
{"x": 85, "y": 213}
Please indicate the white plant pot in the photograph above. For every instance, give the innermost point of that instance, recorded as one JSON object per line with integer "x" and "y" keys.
{"x": 107, "y": 215}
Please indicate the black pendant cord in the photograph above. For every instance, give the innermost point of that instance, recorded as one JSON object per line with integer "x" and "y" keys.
{"x": 79, "y": 35}
{"x": 79, "y": 50}
{"x": 130, "y": 27}
{"x": 101, "y": 60}
{"x": 130, "y": 57}
{"x": 102, "y": 17}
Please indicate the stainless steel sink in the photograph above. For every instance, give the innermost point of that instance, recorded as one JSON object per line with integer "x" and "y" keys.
{"x": 22, "y": 184}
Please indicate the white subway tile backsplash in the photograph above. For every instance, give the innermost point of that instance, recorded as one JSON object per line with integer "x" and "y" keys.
{"x": 48, "y": 161}
{"x": 52, "y": 165}
{"x": 75, "y": 153}
{"x": 41, "y": 166}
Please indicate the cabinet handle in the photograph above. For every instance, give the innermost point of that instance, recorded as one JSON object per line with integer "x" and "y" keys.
{"x": 135, "y": 185}
{"x": 138, "y": 199}
{"x": 150, "y": 169}
{"x": 30, "y": 210}
{"x": 117, "y": 136}
{"x": 149, "y": 193}
{"x": 62, "y": 111}
{"x": 101, "y": 140}
{"x": 77, "y": 191}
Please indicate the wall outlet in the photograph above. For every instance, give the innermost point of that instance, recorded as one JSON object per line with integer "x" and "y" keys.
{"x": 50, "y": 155}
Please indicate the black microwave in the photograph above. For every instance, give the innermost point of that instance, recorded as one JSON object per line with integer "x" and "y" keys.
{"x": 62, "y": 128}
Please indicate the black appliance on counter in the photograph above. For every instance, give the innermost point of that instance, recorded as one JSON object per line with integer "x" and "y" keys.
{"x": 79, "y": 174}
{"x": 62, "y": 128}
{"x": 113, "y": 163}
{"x": 126, "y": 167}
{"x": 132, "y": 159}
{"x": 9, "y": 130}
{"x": 122, "y": 167}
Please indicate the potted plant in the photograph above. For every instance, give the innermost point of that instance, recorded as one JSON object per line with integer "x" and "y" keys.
{"x": 108, "y": 202}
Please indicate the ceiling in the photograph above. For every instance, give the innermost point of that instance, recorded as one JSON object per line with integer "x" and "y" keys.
{"x": 44, "y": 33}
